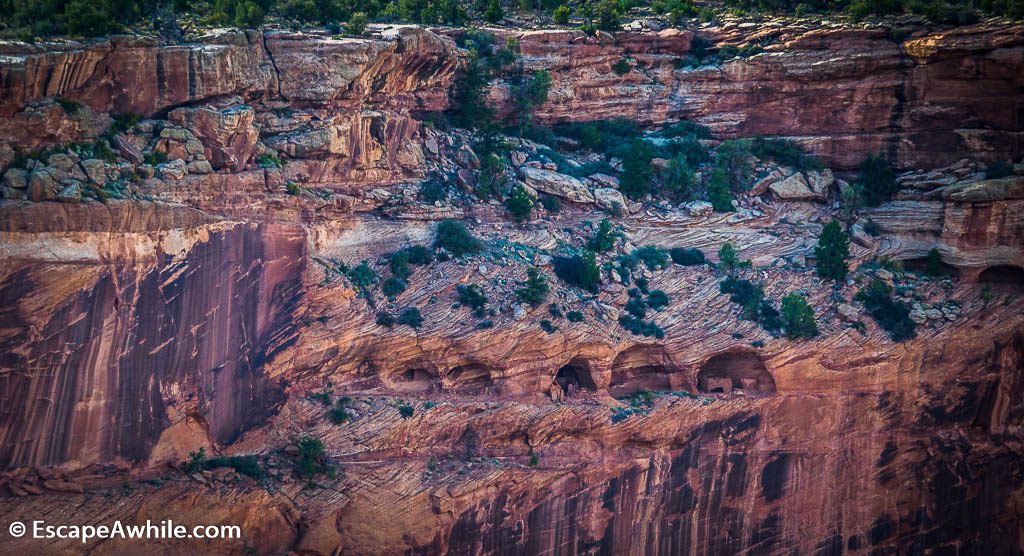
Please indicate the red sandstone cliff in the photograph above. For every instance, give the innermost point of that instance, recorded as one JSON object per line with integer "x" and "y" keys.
{"x": 201, "y": 312}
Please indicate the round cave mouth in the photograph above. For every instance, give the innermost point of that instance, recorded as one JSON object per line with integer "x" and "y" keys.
{"x": 731, "y": 371}
{"x": 470, "y": 379}
{"x": 1002, "y": 274}
{"x": 575, "y": 377}
{"x": 412, "y": 380}
{"x": 639, "y": 369}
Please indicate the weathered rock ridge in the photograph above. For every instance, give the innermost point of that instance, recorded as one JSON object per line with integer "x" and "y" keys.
{"x": 842, "y": 93}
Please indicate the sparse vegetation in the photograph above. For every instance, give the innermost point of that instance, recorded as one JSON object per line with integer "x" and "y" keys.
{"x": 687, "y": 256}
{"x": 578, "y": 270}
{"x": 519, "y": 204}
{"x": 472, "y": 296}
{"x": 453, "y": 237}
{"x": 311, "y": 458}
{"x": 410, "y": 317}
{"x": 604, "y": 237}
{"x": 535, "y": 289}
{"x": 832, "y": 251}
{"x": 797, "y": 317}
{"x": 890, "y": 314}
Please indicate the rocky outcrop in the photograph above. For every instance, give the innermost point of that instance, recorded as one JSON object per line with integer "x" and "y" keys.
{"x": 172, "y": 313}
{"x": 912, "y": 100}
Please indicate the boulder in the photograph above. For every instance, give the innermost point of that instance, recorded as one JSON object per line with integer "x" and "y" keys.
{"x": 41, "y": 185}
{"x": 604, "y": 180}
{"x": 16, "y": 178}
{"x": 821, "y": 182}
{"x": 126, "y": 149}
{"x": 200, "y": 167}
{"x": 175, "y": 169}
{"x": 609, "y": 199}
{"x": 848, "y": 313}
{"x": 227, "y": 137}
{"x": 72, "y": 193}
{"x": 793, "y": 188}
{"x": 556, "y": 184}
{"x": 699, "y": 208}
{"x": 96, "y": 171}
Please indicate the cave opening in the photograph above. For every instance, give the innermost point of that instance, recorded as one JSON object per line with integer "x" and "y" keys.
{"x": 639, "y": 369}
{"x": 920, "y": 265}
{"x": 412, "y": 380}
{"x": 1002, "y": 274}
{"x": 470, "y": 379}
{"x": 575, "y": 377}
{"x": 727, "y": 372}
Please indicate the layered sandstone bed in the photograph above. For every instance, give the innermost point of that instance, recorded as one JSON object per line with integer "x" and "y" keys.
{"x": 205, "y": 308}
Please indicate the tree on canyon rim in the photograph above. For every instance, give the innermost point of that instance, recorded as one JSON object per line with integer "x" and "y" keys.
{"x": 832, "y": 251}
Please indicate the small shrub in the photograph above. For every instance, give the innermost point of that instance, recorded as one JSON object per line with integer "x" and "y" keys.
{"x": 604, "y": 238}
{"x": 574, "y": 316}
{"x": 578, "y": 270}
{"x": 385, "y": 319}
{"x": 535, "y": 289}
{"x": 418, "y": 255}
{"x": 832, "y": 251}
{"x": 654, "y": 257}
{"x": 547, "y": 326}
{"x": 746, "y": 294}
{"x": 727, "y": 256}
{"x": 493, "y": 12}
{"x": 393, "y": 286}
{"x": 472, "y": 296}
{"x": 719, "y": 193}
{"x": 636, "y": 307}
{"x": 245, "y": 465}
{"x": 362, "y": 276}
{"x": 399, "y": 264}
{"x": 555, "y": 310}
{"x": 268, "y": 160}
{"x": 641, "y": 327}
{"x": 411, "y": 317}
{"x": 406, "y": 410}
{"x": 534, "y": 460}
{"x": 551, "y": 203}
{"x": 292, "y": 188}
{"x": 876, "y": 182}
{"x": 561, "y": 15}
{"x": 687, "y": 256}
{"x": 519, "y": 204}
{"x": 657, "y": 300}
{"x": 635, "y": 181}
{"x": 311, "y": 459}
{"x": 432, "y": 191}
{"x": 339, "y": 413}
{"x": 357, "y": 24}
{"x": 453, "y": 237}
{"x": 622, "y": 67}
{"x": 798, "y": 317}
{"x": 892, "y": 315}
{"x": 195, "y": 462}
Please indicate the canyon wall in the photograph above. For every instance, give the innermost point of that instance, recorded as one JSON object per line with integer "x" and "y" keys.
{"x": 842, "y": 93}
{"x": 209, "y": 308}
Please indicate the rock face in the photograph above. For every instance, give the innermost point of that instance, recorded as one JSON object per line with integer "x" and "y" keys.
{"x": 209, "y": 302}
{"x": 203, "y": 295}
{"x": 914, "y": 100}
